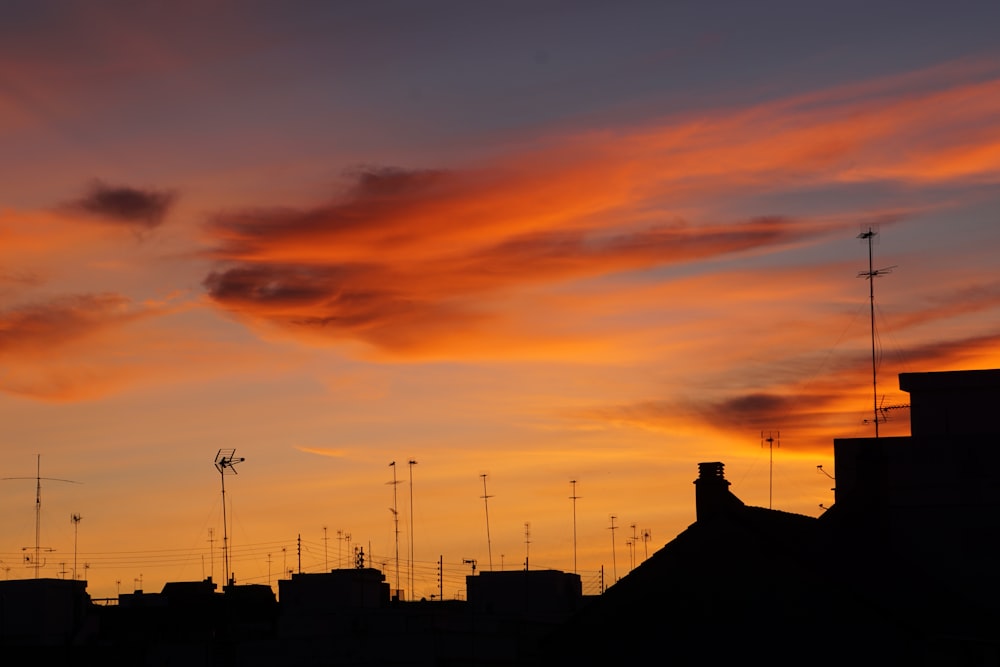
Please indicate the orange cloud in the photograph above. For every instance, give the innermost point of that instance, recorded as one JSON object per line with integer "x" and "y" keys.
{"x": 37, "y": 328}
{"x": 808, "y": 413}
{"x": 321, "y": 272}
{"x": 411, "y": 262}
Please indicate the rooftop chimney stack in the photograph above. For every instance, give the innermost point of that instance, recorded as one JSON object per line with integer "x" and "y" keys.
{"x": 712, "y": 496}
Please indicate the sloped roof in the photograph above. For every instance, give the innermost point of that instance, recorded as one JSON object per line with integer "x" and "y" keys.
{"x": 752, "y": 583}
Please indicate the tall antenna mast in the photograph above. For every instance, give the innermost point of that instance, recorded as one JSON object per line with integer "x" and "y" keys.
{"x": 635, "y": 539}
{"x": 38, "y": 508}
{"x": 527, "y": 544}
{"x": 411, "y": 463}
{"x": 486, "y": 503}
{"x": 211, "y": 552}
{"x": 225, "y": 460}
{"x": 75, "y": 518}
{"x": 395, "y": 518}
{"x": 869, "y": 275}
{"x": 614, "y": 563}
{"x": 574, "y": 498}
{"x": 772, "y": 442}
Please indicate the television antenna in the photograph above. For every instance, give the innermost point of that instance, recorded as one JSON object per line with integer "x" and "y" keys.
{"x": 527, "y": 543}
{"x": 486, "y": 503}
{"x": 574, "y": 498}
{"x": 36, "y": 562}
{"x": 411, "y": 463}
{"x": 870, "y": 275}
{"x": 635, "y": 540}
{"x": 772, "y": 442}
{"x": 472, "y": 562}
{"x": 614, "y": 563}
{"x": 885, "y": 409}
{"x": 75, "y": 518}
{"x": 225, "y": 460}
{"x": 395, "y": 518}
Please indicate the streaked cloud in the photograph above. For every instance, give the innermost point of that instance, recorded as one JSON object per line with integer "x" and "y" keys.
{"x": 38, "y": 327}
{"x": 323, "y": 451}
{"x": 407, "y": 261}
{"x": 411, "y": 261}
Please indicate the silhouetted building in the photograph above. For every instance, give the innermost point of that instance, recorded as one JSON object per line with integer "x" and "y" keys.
{"x": 536, "y": 592}
{"x": 43, "y": 612}
{"x": 312, "y": 593}
{"x": 901, "y": 570}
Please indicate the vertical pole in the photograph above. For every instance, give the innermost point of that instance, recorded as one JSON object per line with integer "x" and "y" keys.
{"x": 411, "y": 463}
{"x": 869, "y": 235}
{"x": 871, "y": 301}
{"x": 225, "y": 528}
{"x": 614, "y": 563}
{"x": 486, "y": 503}
{"x": 38, "y": 510}
{"x": 527, "y": 544}
{"x": 75, "y": 518}
{"x": 573, "y": 498}
{"x": 395, "y": 517}
{"x": 211, "y": 553}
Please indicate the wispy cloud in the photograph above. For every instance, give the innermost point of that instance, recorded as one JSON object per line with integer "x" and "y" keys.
{"x": 48, "y": 346}
{"x": 408, "y": 259}
{"x": 412, "y": 261}
{"x": 808, "y": 413}
{"x": 38, "y": 327}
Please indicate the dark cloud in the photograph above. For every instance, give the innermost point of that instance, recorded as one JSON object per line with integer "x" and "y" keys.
{"x": 379, "y": 204}
{"x": 123, "y": 205}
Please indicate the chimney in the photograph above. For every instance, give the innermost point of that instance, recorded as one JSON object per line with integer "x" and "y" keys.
{"x": 711, "y": 493}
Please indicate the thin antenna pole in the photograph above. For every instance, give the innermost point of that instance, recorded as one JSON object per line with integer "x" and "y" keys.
{"x": 527, "y": 543}
{"x": 411, "y": 463}
{"x": 395, "y": 518}
{"x": 614, "y": 562}
{"x": 211, "y": 552}
{"x": 573, "y": 498}
{"x": 486, "y": 503}
{"x": 75, "y": 518}
{"x": 326, "y": 549}
{"x": 870, "y": 275}
{"x": 771, "y": 441}
{"x": 870, "y": 234}
{"x": 38, "y": 508}
{"x": 635, "y": 538}
{"x": 225, "y": 460}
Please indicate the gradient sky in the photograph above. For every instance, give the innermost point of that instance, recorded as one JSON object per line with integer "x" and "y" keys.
{"x": 541, "y": 241}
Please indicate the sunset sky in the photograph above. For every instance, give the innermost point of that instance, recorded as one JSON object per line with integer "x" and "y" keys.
{"x": 540, "y": 241}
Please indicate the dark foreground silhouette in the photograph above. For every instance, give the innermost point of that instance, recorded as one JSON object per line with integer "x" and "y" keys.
{"x": 901, "y": 570}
